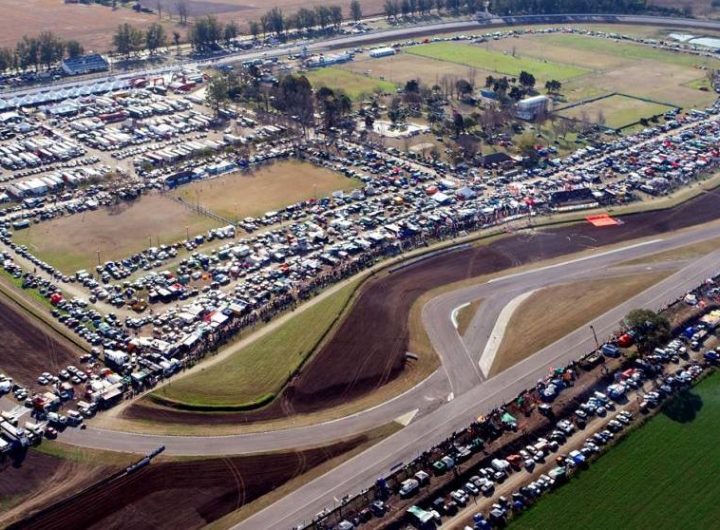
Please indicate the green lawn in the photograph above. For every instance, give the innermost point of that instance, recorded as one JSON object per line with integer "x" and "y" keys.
{"x": 354, "y": 85}
{"x": 664, "y": 475}
{"x": 258, "y": 372}
{"x": 478, "y": 57}
{"x": 618, "y": 111}
{"x": 626, "y": 50}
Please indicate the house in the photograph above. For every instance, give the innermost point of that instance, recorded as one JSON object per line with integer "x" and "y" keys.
{"x": 85, "y": 64}
{"x": 498, "y": 160}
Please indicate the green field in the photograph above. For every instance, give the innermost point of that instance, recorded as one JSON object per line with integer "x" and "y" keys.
{"x": 477, "y": 57}
{"x": 627, "y": 50}
{"x": 354, "y": 85}
{"x": 619, "y": 111}
{"x": 257, "y": 373}
{"x": 664, "y": 475}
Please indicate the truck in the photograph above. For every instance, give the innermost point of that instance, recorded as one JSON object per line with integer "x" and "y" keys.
{"x": 15, "y": 435}
{"x": 408, "y": 488}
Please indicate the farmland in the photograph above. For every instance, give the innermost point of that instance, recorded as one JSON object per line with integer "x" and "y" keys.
{"x": 476, "y": 56}
{"x": 670, "y": 461}
{"x": 72, "y": 242}
{"x": 615, "y": 111}
{"x": 252, "y": 193}
{"x": 353, "y": 84}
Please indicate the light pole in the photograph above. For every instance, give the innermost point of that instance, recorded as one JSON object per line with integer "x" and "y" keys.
{"x": 597, "y": 343}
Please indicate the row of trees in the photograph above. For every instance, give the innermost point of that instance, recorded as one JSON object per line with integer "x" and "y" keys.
{"x": 396, "y": 8}
{"x": 207, "y": 32}
{"x": 32, "y": 52}
{"x": 322, "y": 16}
{"x": 129, "y": 39}
{"x": 520, "y": 7}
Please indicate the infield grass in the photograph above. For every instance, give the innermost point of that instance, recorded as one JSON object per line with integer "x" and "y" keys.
{"x": 355, "y": 85}
{"x": 256, "y": 373}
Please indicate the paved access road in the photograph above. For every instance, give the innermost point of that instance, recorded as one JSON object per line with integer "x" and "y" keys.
{"x": 431, "y": 429}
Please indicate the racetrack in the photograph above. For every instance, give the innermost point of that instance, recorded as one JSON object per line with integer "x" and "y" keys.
{"x": 369, "y": 347}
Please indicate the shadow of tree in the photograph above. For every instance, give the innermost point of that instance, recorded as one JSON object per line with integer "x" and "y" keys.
{"x": 684, "y": 407}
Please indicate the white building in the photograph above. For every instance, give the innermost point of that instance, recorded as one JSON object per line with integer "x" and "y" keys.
{"x": 382, "y": 52}
{"x": 529, "y": 108}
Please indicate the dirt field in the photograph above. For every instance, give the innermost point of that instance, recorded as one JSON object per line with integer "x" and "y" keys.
{"x": 254, "y": 193}
{"x": 93, "y": 25}
{"x": 552, "y": 313}
{"x": 616, "y": 111}
{"x": 184, "y": 494}
{"x": 72, "y": 242}
{"x": 369, "y": 347}
{"x": 39, "y": 479}
{"x": 29, "y": 347}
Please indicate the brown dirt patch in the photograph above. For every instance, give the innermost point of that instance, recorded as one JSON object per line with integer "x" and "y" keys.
{"x": 71, "y": 242}
{"x": 28, "y": 347}
{"x": 38, "y": 479}
{"x": 184, "y": 494}
{"x": 253, "y": 193}
{"x": 93, "y": 25}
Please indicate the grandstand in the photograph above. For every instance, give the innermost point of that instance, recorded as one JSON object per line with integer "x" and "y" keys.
{"x": 85, "y": 64}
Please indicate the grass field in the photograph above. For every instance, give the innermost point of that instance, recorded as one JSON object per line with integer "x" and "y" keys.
{"x": 243, "y": 194}
{"x": 355, "y": 85}
{"x": 257, "y": 373}
{"x": 402, "y": 67}
{"x": 552, "y": 313}
{"x": 618, "y": 111}
{"x": 476, "y": 56}
{"x": 71, "y": 243}
{"x": 662, "y": 476}
{"x": 626, "y": 50}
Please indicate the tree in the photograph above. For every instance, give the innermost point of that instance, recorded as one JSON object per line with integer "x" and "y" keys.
{"x": 73, "y": 49}
{"x": 305, "y": 19}
{"x": 527, "y": 79}
{"x": 355, "y": 10}
{"x": 28, "y": 52}
{"x": 155, "y": 38}
{"x": 176, "y": 41}
{"x": 7, "y": 59}
{"x": 182, "y": 11}
{"x": 276, "y": 21}
{"x": 254, "y": 28}
{"x": 231, "y": 31}
{"x": 217, "y": 93}
{"x": 392, "y": 9}
{"x": 652, "y": 329}
{"x": 458, "y": 123}
{"x": 336, "y": 16}
{"x": 463, "y": 87}
{"x": 553, "y": 86}
{"x": 127, "y": 40}
{"x": 294, "y": 97}
{"x": 323, "y": 16}
{"x": 50, "y": 48}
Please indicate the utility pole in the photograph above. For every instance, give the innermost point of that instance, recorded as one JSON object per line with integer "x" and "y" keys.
{"x": 597, "y": 343}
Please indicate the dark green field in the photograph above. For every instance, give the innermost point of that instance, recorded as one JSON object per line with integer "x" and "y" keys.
{"x": 664, "y": 475}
